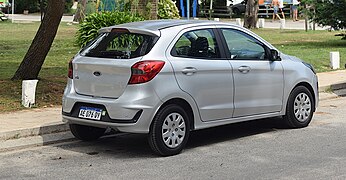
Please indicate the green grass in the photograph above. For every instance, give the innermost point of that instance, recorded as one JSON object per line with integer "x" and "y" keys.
{"x": 15, "y": 39}
{"x": 312, "y": 46}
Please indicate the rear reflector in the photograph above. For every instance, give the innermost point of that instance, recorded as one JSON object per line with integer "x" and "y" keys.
{"x": 144, "y": 71}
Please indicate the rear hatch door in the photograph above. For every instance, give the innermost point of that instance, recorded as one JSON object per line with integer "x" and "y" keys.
{"x": 102, "y": 77}
{"x": 103, "y": 67}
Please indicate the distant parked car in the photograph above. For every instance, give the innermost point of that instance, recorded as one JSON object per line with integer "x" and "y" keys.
{"x": 217, "y": 11}
{"x": 239, "y": 8}
{"x": 166, "y": 78}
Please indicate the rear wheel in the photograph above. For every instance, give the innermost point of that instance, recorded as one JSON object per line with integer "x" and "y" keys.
{"x": 299, "y": 110}
{"x": 170, "y": 130}
{"x": 236, "y": 11}
{"x": 86, "y": 133}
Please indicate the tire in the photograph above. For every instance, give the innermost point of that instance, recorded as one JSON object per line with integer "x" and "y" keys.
{"x": 236, "y": 11}
{"x": 86, "y": 133}
{"x": 300, "y": 108}
{"x": 169, "y": 131}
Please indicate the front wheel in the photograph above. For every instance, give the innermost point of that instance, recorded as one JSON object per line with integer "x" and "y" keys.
{"x": 299, "y": 110}
{"x": 86, "y": 133}
{"x": 170, "y": 130}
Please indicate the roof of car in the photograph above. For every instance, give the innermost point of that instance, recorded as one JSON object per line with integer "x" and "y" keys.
{"x": 152, "y": 27}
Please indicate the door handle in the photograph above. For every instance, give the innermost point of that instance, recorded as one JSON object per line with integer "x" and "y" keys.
{"x": 244, "y": 69}
{"x": 189, "y": 71}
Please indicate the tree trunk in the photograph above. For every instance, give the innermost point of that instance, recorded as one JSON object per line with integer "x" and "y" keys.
{"x": 80, "y": 13}
{"x": 40, "y": 46}
{"x": 250, "y": 19}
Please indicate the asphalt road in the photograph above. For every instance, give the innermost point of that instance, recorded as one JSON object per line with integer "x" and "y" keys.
{"x": 253, "y": 150}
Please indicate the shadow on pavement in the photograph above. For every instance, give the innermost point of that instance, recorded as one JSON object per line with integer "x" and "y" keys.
{"x": 340, "y": 93}
{"x": 127, "y": 146}
{"x": 233, "y": 131}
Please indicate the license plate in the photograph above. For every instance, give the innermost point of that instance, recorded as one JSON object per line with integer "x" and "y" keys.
{"x": 90, "y": 113}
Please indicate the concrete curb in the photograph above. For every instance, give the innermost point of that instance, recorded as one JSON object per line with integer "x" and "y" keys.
{"x": 335, "y": 94}
{"x": 35, "y": 131}
{"x": 332, "y": 87}
{"x": 34, "y": 137}
{"x": 338, "y": 86}
{"x": 35, "y": 141}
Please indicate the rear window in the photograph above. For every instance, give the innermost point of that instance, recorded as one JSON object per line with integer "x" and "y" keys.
{"x": 119, "y": 45}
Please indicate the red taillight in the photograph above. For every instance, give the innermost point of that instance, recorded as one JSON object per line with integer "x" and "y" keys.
{"x": 145, "y": 71}
{"x": 70, "y": 70}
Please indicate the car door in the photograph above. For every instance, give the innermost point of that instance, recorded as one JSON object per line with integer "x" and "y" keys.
{"x": 258, "y": 81}
{"x": 202, "y": 73}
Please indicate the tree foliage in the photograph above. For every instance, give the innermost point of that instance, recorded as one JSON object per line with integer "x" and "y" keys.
{"x": 327, "y": 12}
{"x": 167, "y": 10}
{"x": 89, "y": 27}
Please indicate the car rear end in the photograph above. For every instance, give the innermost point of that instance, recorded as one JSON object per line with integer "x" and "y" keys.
{"x": 109, "y": 82}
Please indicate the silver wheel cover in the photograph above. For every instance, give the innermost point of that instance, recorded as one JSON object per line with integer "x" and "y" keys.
{"x": 173, "y": 130}
{"x": 302, "y": 107}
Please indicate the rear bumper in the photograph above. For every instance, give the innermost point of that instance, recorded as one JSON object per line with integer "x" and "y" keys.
{"x": 122, "y": 127}
{"x": 104, "y": 118}
{"x": 132, "y": 112}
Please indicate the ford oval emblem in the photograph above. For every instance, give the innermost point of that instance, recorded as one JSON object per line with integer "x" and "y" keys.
{"x": 97, "y": 73}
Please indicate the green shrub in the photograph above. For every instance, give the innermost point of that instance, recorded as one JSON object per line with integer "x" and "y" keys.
{"x": 88, "y": 29}
{"x": 167, "y": 10}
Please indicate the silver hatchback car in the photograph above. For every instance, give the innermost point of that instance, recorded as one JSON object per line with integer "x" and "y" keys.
{"x": 166, "y": 78}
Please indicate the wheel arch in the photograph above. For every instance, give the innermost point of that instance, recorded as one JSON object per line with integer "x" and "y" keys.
{"x": 185, "y": 105}
{"x": 309, "y": 87}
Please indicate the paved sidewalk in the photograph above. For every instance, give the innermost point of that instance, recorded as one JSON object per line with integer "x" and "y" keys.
{"x": 35, "y": 17}
{"x": 289, "y": 24}
{"x": 332, "y": 80}
{"x": 32, "y": 127}
{"x": 31, "y": 122}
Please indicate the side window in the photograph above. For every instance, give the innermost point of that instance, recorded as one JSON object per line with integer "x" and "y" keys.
{"x": 243, "y": 46}
{"x": 197, "y": 44}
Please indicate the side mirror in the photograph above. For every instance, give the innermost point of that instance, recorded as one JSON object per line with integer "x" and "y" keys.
{"x": 274, "y": 55}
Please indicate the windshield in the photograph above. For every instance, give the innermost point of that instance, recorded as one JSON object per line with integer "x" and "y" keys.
{"x": 119, "y": 45}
